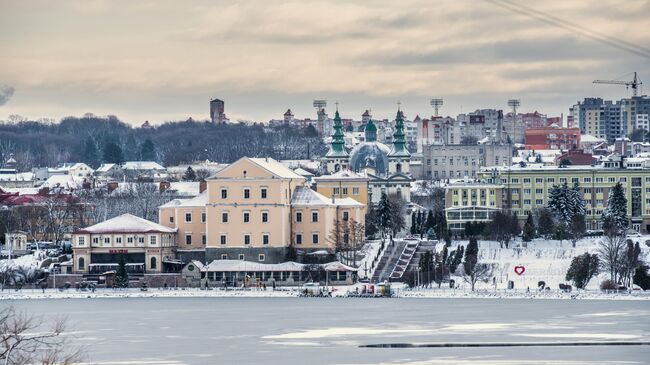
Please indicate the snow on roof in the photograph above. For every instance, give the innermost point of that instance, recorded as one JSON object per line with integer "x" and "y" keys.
{"x": 588, "y": 138}
{"x": 342, "y": 175}
{"x": 200, "y": 200}
{"x": 347, "y": 202}
{"x": 172, "y": 203}
{"x": 310, "y": 164}
{"x": 275, "y": 167}
{"x": 105, "y": 167}
{"x": 142, "y": 165}
{"x": 21, "y": 191}
{"x": 126, "y": 223}
{"x": 190, "y": 188}
{"x": 249, "y": 266}
{"x": 63, "y": 181}
{"x": 305, "y": 196}
{"x": 19, "y": 176}
{"x": 302, "y": 172}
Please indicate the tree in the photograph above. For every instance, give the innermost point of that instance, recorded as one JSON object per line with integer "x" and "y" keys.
{"x": 577, "y": 229}
{"x": 91, "y": 155}
{"x": 529, "y": 229}
{"x": 611, "y": 251}
{"x": 641, "y": 277}
{"x": 455, "y": 259}
{"x": 189, "y": 175}
{"x": 371, "y": 222}
{"x": 631, "y": 262}
{"x": 582, "y": 269}
{"x": 473, "y": 271}
{"x": 616, "y": 210}
{"x": 561, "y": 232}
{"x": 504, "y": 227}
{"x": 113, "y": 153}
{"x": 356, "y": 238}
{"x": 397, "y": 212}
{"x": 637, "y": 135}
{"x": 384, "y": 214}
{"x": 121, "y": 277}
{"x": 147, "y": 151}
{"x": 566, "y": 202}
{"x": 24, "y": 340}
{"x": 545, "y": 223}
{"x": 426, "y": 264}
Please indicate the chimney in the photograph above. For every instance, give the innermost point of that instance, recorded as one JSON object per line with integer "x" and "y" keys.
{"x": 111, "y": 186}
{"x": 164, "y": 185}
{"x": 499, "y": 127}
{"x": 203, "y": 186}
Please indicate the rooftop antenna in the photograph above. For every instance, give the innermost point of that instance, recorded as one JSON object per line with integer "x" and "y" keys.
{"x": 320, "y": 104}
{"x": 514, "y": 104}
{"x": 436, "y": 104}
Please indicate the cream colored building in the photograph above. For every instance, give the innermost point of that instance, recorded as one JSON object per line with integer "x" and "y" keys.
{"x": 189, "y": 216}
{"x": 255, "y": 209}
{"x": 144, "y": 245}
{"x": 344, "y": 184}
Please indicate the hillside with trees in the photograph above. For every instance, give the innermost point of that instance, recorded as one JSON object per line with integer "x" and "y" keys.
{"x": 95, "y": 140}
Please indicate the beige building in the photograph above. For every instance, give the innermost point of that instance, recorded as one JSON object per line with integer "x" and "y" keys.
{"x": 254, "y": 210}
{"x": 344, "y": 184}
{"x": 144, "y": 245}
{"x": 189, "y": 217}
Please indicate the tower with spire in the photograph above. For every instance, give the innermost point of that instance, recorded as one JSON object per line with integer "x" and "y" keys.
{"x": 399, "y": 156}
{"x": 337, "y": 157}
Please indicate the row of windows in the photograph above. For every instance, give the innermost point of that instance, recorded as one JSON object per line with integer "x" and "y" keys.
{"x": 574, "y": 180}
{"x": 344, "y": 191}
{"x": 242, "y": 257}
{"x": 246, "y": 193}
{"x": 246, "y": 239}
{"x": 188, "y": 218}
{"x": 81, "y": 240}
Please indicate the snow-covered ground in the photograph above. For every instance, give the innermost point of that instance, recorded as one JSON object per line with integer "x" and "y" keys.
{"x": 544, "y": 260}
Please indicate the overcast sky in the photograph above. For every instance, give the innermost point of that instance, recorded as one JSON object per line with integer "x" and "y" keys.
{"x": 163, "y": 60}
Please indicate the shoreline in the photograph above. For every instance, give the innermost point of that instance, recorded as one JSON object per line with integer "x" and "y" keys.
{"x": 28, "y": 294}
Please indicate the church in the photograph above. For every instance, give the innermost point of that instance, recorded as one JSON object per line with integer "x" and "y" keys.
{"x": 387, "y": 168}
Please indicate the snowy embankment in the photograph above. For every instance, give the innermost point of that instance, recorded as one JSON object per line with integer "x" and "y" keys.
{"x": 543, "y": 260}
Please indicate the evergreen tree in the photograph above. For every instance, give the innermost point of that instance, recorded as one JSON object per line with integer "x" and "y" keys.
{"x": 582, "y": 269}
{"x": 413, "y": 223}
{"x": 545, "y": 223}
{"x": 578, "y": 228}
{"x": 384, "y": 212}
{"x": 529, "y": 229}
{"x": 121, "y": 277}
{"x": 641, "y": 277}
{"x": 576, "y": 200}
{"x": 561, "y": 232}
{"x": 91, "y": 155}
{"x": 147, "y": 151}
{"x": 310, "y": 131}
{"x": 113, "y": 153}
{"x": 189, "y": 175}
{"x": 560, "y": 201}
{"x": 616, "y": 210}
{"x": 430, "y": 225}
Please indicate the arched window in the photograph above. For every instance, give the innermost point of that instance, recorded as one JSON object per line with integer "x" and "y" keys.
{"x": 153, "y": 263}
{"x": 337, "y": 168}
{"x": 82, "y": 263}
{"x": 398, "y": 167}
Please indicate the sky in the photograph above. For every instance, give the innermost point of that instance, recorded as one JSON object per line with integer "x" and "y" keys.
{"x": 161, "y": 60}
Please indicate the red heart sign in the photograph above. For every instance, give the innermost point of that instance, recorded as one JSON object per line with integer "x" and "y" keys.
{"x": 519, "y": 270}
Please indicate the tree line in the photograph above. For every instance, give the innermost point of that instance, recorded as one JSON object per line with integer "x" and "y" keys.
{"x": 94, "y": 140}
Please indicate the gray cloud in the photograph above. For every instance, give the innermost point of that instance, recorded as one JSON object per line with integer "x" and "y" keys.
{"x": 6, "y": 92}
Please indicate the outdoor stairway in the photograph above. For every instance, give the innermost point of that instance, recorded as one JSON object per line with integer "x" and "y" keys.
{"x": 423, "y": 247}
{"x": 404, "y": 260}
{"x": 388, "y": 261}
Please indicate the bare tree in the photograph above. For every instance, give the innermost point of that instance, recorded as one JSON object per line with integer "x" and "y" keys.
{"x": 612, "y": 254}
{"x": 477, "y": 272}
{"x": 23, "y": 340}
{"x": 357, "y": 238}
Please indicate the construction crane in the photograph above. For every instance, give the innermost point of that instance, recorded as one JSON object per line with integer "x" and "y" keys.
{"x": 634, "y": 84}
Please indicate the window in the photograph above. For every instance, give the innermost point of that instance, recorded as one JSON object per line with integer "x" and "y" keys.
{"x": 107, "y": 240}
{"x": 141, "y": 239}
{"x": 298, "y": 238}
{"x": 224, "y": 256}
{"x": 247, "y": 193}
{"x": 224, "y": 217}
{"x": 188, "y": 217}
{"x": 241, "y": 256}
{"x": 539, "y": 180}
{"x": 152, "y": 240}
{"x": 550, "y": 179}
{"x": 346, "y": 216}
{"x": 539, "y": 191}
{"x": 265, "y": 239}
{"x": 355, "y": 191}
{"x": 82, "y": 263}
{"x": 247, "y": 217}
{"x": 152, "y": 266}
{"x": 539, "y": 201}
{"x": 202, "y": 217}
{"x": 345, "y": 191}
{"x": 298, "y": 217}
{"x": 260, "y": 257}
{"x": 222, "y": 239}
{"x": 587, "y": 179}
{"x": 81, "y": 241}
{"x": 575, "y": 179}
{"x": 314, "y": 216}
{"x": 263, "y": 193}
{"x": 314, "y": 238}
{"x": 171, "y": 219}
{"x": 247, "y": 239}
{"x": 265, "y": 217}
{"x": 204, "y": 239}
{"x": 188, "y": 239}
{"x": 336, "y": 191}
{"x": 224, "y": 193}
{"x": 129, "y": 240}
{"x": 526, "y": 180}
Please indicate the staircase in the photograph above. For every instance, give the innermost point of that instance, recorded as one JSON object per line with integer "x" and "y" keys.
{"x": 404, "y": 260}
{"x": 388, "y": 260}
{"x": 423, "y": 247}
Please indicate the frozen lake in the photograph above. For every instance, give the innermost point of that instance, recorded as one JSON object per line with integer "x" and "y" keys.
{"x": 329, "y": 331}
